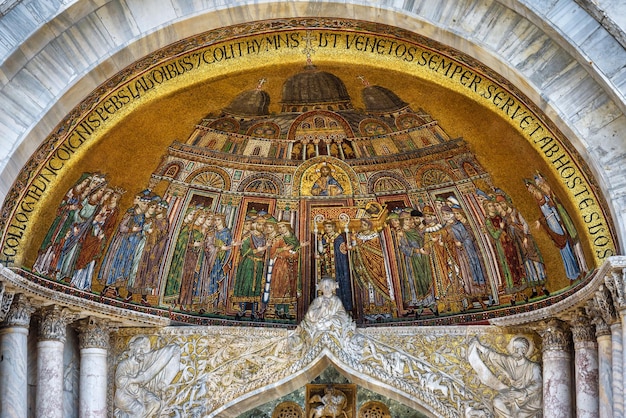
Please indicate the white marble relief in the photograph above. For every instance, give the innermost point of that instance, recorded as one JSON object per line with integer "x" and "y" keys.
{"x": 142, "y": 378}
{"x": 516, "y": 378}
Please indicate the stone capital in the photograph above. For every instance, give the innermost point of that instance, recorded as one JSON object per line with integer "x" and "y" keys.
{"x": 53, "y": 323}
{"x": 555, "y": 336}
{"x": 93, "y": 333}
{"x": 582, "y": 328}
{"x": 19, "y": 313}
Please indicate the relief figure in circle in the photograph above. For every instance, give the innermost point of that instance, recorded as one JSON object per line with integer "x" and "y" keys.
{"x": 332, "y": 404}
{"x": 143, "y": 376}
{"x": 516, "y": 378}
{"x": 326, "y": 184}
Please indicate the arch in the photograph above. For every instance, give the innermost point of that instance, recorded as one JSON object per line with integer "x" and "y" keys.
{"x": 31, "y": 127}
{"x": 214, "y": 177}
{"x": 396, "y": 179}
{"x": 308, "y": 165}
{"x": 309, "y": 120}
{"x": 172, "y": 170}
{"x": 432, "y": 174}
{"x": 262, "y": 182}
{"x": 268, "y": 130}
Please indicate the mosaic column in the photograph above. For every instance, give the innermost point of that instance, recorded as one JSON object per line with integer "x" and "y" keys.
{"x": 557, "y": 379}
{"x": 14, "y": 349}
{"x": 52, "y": 333}
{"x": 94, "y": 342}
{"x": 586, "y": 366}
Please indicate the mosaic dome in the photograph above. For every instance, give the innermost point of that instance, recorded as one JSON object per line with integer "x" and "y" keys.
{"x": 314, "y": 87}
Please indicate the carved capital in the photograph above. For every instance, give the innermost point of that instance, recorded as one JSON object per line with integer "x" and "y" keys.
{"x": 582, "y": 328}
{"x": 93, "y": 333}
{"x": 6, "y": 298}
{"x": 604, "y": 304}
{"x": 615, "y": 282}
{"x": 555, "y": 336}
{"x": 596, "y": 318}
{"x": 19, "y": 313}
{"x": 54, "y": 321}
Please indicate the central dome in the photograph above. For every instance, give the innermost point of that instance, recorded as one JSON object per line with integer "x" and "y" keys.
{"x": 314, "y": 89}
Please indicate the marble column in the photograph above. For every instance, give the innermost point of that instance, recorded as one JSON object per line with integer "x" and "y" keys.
{"x": 617, "y": 367}
{"x": 13, "y": 363}
{"x": 603, "y": 313}
{"x": 557, "y": 379}
{"x": 52, "y": 334}
{"x": 605, "y": 372}
{"x": 94, "y": 342}
{"x": 586, "y": 366}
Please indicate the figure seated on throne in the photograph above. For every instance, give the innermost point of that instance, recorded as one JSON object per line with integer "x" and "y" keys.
{"x": 327, "y": 313}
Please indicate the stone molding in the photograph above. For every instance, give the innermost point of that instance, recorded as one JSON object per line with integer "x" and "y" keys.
{"x": 20, "y": 313}
{"x": 93, "y": 333}
{"x": 555, "y": 336}
{"x": 40, "y": 296}
{"x": 53, "y": 323}
{"x": 582, "y": 329}
{"x": 609, "y": 273}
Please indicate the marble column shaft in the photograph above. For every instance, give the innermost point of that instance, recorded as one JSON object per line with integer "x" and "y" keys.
{"x": 13, "y": 366}
{"x": 617, "y": 366}
{"x": 52, "y": 333}
{"x": 586, "y": 366}
{"x": 605, "y": 376}
{"x": 557, "y": 379}
{"x": 94, "y": 343}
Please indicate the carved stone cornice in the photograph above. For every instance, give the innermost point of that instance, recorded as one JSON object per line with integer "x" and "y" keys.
{"x": 566, "y": 309}
{"x": 555, "y": 336}
{"x": 20, "y": 312}
{"x": 13, "y": 283}
{"x": 582, "y": 328}
{"x": 53, "y": 323}
{"x": 93, "y": 333}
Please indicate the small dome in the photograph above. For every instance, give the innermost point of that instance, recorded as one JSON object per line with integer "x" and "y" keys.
{"x": 382, "y": 100}
{"x": 250, "y": 103}
{"x": 312, "y": 87}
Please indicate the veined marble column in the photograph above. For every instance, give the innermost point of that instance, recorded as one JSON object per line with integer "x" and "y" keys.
{"x": 605, "y": 372}
{"x": 602, "y": 311}
{"x": 14, "y": 349}
{"x": 52, "y": 333}
{"x": 94, "y": 342}
{"x": 617, "y": 366}
{"x": 557, "y": 379}
{"x": 586, "y": 366}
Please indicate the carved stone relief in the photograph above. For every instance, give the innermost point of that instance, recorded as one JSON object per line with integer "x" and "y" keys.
{"x": 216, "y": 371}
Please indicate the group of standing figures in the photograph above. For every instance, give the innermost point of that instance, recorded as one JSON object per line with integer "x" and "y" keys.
{"x": 444, "y": 256}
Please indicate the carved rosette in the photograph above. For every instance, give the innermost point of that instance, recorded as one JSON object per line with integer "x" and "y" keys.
{"x": 19, "y": 314}
{"x": 93, "y": 333}
{"x": 53, "y": 324}
{"x": 555, "y": 336}
{"x": 582, "y": 329}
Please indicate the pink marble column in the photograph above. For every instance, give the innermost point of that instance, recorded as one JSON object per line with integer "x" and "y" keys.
{"x": 13, "y": 349}
{"x": 557, "y": 379}
{"x": 586, "y": 366}
{"x": 52, "y": 332}
{"x": 94, "y": 342}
